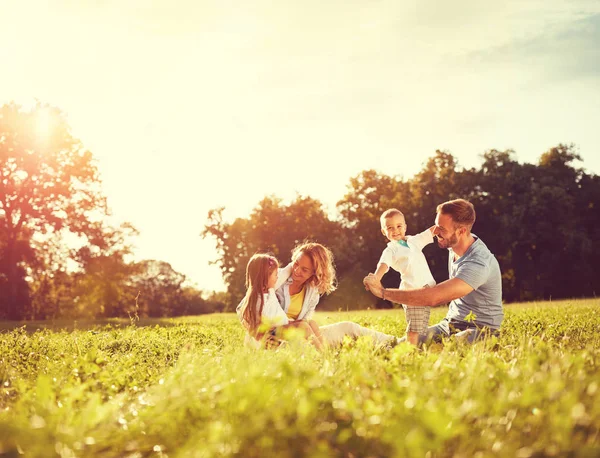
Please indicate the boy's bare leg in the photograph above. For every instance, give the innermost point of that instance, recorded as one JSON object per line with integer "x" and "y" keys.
{"x": 412, "y": 337}
{"x": 417, "y": 319}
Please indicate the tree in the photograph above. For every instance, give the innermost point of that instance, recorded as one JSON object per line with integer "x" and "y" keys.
{"x": 371, "y": 193}
{"x": 104, "y": 286}
{"x": 434, "y": 184}
{"x": 50, "y": 281}
{"x": 588, "y": 210}
{"x": 559, "y": 254}
{"x": 160, "y": 289}
{"x": 536, "y": 219}
{"x": 540, "y": 220}
{"x": 48, "y": 182}
{"x": 275, "y": 228}
{"x": 367, "y": 196}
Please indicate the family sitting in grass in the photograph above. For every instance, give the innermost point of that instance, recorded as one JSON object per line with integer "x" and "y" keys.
{"x": 281, "y": 299}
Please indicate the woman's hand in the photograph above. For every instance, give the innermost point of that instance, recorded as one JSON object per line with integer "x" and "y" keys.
{"x": 309, "y": 331}
{"x": 316, "y": 330}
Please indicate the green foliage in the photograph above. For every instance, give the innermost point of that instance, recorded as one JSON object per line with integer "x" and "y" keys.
{"x": 50, "y": 192}
{"x": 48, "y": 183}
{"x": 351, "y": 294}
{"x": 471, "y": 317}
{"x": 272, "y": 228}
{"x": 104, "y": 286}
{"x": 540, "y": 220}
{"x": 368, "y": 196}
{"x": 191, "y": 389}
{"x": 537, "y": 220}
{"x": 160, "y": 289}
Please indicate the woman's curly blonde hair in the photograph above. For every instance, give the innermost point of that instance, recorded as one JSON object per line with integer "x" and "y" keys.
{"x": 322, "y": 258}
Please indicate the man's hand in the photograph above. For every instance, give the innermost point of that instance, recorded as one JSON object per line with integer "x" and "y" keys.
{"x": 373, "y": 285}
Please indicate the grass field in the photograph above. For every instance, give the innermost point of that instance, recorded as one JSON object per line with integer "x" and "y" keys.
{"x": 187, "y": 387}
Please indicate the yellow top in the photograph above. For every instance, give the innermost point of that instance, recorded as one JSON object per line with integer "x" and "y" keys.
{"x": 295, "y": 307}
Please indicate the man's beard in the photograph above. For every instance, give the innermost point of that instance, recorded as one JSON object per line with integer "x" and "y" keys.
{"x": 447, "y": 242}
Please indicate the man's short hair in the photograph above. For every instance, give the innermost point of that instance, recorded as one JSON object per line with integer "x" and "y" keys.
{"x": 461, "y": 211}
{"x": 388, "y": 214}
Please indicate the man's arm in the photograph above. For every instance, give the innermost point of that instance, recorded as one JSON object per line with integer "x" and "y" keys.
{"x": 441, "y": 293}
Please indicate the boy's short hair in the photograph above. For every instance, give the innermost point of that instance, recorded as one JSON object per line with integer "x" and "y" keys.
{"x": 388, "y": 214}
{"x": 461, "y": 211}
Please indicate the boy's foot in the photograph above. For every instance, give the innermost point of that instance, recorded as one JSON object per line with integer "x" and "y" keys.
{"x": 388, "y": 345}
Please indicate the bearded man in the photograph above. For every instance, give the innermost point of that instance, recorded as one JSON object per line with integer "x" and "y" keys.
{"x": 474, "y": 289}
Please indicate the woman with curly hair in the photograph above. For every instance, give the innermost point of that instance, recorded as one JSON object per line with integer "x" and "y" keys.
{"x": 259, "y": 311}
{"x": 310, "y": 275}
{"x": 298, "y": 289}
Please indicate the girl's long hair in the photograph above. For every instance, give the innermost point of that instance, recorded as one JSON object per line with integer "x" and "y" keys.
{"x": 259, "y": 268}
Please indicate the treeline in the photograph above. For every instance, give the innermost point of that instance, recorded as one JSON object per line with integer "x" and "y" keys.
{"x": 542, "y": 221}
{"x": 49, "y": 194}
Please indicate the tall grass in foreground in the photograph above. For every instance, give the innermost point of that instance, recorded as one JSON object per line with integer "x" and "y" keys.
{"x": 191, "y": 389}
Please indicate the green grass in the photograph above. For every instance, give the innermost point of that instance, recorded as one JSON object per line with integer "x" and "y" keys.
{"x": 188, "y": 388}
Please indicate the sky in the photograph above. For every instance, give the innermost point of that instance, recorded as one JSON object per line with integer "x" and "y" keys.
{"x": 190, "y": 105}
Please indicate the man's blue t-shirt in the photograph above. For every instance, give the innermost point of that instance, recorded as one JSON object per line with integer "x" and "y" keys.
{"x": 479, "y": 268}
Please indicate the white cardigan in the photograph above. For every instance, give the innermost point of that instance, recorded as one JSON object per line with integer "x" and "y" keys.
{"x": 311, "y": 295}
{"x": 274, "y": 310}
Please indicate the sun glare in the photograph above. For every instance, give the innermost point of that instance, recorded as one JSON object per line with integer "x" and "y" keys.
{"x": 43, "y": 127}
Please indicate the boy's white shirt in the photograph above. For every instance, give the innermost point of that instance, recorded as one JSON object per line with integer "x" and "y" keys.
{"x": 410, "y": 262}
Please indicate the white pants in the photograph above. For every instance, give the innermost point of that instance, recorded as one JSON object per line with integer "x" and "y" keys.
{"x": 333, "y": 334}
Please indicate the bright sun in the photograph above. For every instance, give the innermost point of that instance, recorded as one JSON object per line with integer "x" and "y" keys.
{"x": 43, "y": 123}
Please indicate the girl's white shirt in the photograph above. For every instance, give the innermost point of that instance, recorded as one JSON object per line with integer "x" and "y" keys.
{"x": 271, "y": 312}
{"x": 272, "y": 309}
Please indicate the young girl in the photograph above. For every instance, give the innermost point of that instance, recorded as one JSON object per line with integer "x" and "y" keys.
{"x": 259, "y": 311}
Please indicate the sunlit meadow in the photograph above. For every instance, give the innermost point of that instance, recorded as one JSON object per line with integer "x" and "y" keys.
{"x": 188, "y": 387}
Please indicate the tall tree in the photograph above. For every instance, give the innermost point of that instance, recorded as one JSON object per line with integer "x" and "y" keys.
{"x": 438, "y": 181}
{"x": 272, "y": 227}
{"x": 588, "y": 210}
{"x": 367, "y": 196}
{"x": 160, "y": 289}
{"x": 371, "y": 193}
{"x": 561, "y": 244}
{"x": 104, "y": 285}
{"x": 536, "y": 219}
{"x": 51, "y": 282}
{"x": 48, "y": 182}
